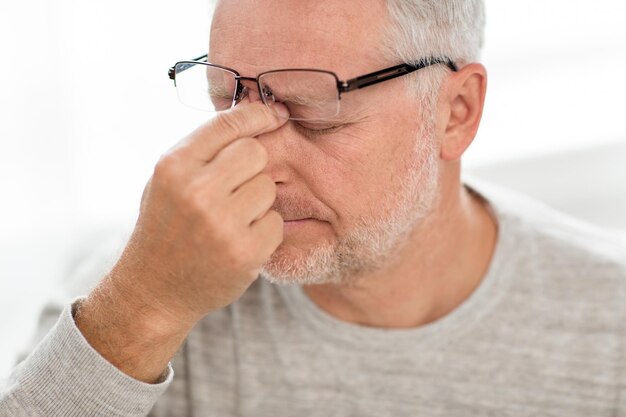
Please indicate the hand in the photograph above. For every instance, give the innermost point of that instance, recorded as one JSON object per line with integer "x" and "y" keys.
{"x": 204, "y": 230}
{"x": 205, "y": 226}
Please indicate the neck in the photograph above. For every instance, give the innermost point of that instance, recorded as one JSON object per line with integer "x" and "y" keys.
{"x": 441, "y": 265}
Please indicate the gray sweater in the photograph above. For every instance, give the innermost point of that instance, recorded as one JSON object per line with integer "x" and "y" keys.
{"x": 543, "y": 335}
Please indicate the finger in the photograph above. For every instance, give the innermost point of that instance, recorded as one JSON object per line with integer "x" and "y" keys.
{"x": 253, "y": 199}
{"x": 247, "y": 120}
{"x": 237, "y": 163}
{"x": 269, "y": 230}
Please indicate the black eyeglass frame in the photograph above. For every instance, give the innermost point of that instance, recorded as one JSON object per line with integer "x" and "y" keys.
{"x": 352, "y": 84}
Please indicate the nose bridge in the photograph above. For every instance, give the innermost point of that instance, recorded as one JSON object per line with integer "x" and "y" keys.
{"x": 276, "y": 142}
{"x": 278, "y": 156}
{"x": 282, "y": 153}
{"x": 251, "y": 87}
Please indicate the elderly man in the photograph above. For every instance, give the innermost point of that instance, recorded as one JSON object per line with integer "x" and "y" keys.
{"x": 333, "y": 165}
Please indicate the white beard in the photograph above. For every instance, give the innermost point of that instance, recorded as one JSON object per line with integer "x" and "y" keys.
{"x": 375, "y": 241}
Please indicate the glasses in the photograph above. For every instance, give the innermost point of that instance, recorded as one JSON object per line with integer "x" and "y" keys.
{"x": 309, "y": 94}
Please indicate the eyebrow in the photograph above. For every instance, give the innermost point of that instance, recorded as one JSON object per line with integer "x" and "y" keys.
{"x": 218, "y": 90}
{"x": 300, "y": 100}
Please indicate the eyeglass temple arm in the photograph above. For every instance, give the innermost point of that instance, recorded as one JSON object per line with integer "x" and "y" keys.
{"x": 390, "y": 73}
{"x": 172, "y": 71}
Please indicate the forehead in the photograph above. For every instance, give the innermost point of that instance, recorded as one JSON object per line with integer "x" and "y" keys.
{"x": 258, "y": 35}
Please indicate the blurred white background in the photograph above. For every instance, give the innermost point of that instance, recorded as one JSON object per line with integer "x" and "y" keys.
{"x": 86, "y": 109}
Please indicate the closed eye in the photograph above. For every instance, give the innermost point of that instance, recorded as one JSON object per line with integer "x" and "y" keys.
{"x": 315, "y": 131}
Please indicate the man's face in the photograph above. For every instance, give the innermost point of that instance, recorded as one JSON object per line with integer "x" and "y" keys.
{"x": 364, "y": 184}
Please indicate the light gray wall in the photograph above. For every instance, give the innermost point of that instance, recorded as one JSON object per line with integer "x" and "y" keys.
{"x": 588, "y": 183}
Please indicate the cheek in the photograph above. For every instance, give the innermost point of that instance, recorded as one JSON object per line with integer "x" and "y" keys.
{"x": 353, "y": 171}
{"x": 338, "y": 176}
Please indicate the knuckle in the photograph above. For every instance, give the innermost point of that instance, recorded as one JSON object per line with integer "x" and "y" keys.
{"x": 167, "y": 166}
{"x": 196, "y": 194}
{"x": 238, "y": 254}
{"x": 221, "y": 230}
{"x": 213, "y": 230}
{"x": 167, "y": 173}
{"x": 230, "y": 122}
{"x": 193, "y": 201}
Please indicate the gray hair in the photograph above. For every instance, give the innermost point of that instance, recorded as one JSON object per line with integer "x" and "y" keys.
{"x": 421, "y": 29}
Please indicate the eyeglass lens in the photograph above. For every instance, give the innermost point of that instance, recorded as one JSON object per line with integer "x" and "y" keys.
{"x": 309, "y": 95}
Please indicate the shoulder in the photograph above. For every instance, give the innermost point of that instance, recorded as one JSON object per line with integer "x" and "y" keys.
{"x": 565, "y": 276}
{"x": 554, "y": 242}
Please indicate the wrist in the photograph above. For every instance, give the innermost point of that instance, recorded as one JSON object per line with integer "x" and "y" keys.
{"x": 129, "y": 331}
{"x": 130, "y": 307}
{"x": 146, "y": 290}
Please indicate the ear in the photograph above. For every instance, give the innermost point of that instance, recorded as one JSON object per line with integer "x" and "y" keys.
{"x": 462, "y": 101}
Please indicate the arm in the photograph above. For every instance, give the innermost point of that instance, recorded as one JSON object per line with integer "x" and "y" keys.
{"x": 65, "y": 376}
{"x": 204, "y": 230}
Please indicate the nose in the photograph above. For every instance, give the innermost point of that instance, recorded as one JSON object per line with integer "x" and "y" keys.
{"x": 278, "y": 143}
{"x": 285, "y": 154}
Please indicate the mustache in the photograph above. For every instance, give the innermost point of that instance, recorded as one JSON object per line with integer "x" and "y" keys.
{"x": 295, "y": 207}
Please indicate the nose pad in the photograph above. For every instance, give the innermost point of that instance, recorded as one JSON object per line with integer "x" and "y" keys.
{"x": 268, "y": 95}
{"x": 248, "y": 90}
{"x": 242, "y": 93}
